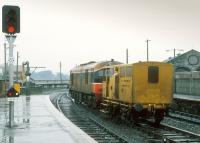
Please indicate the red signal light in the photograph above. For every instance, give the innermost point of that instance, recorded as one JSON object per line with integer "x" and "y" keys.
{"x": 10, "y": 19}
{"x": 10, "y": 94}
{"x": 11, "y": 29}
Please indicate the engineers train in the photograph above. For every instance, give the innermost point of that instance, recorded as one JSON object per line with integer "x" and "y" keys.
{"x": 128, "y": 91}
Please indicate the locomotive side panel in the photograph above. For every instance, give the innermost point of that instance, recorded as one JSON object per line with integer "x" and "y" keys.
{"x": 125, "y": 84}
{"x": 78, "y": 83}
{"x": 74, "y": 81}
{"x": 151, "y": 83}
{"x": 85, "y": 82}
{"x": 111, "y": 87}
{"x": 167, "y": 82}
{"x": 119, "y": 86}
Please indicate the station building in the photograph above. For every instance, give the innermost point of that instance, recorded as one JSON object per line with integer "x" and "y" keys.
{"x": 187, "y": 73}
{"x": 187, "y": 62}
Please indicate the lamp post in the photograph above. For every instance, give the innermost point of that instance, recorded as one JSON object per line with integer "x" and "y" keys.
{"x": 148, "y": 49}
{"x": 174, "y": 52}
{"x": 126, "y": 56}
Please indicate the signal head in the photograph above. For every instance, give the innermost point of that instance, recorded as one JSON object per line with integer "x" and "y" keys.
{"x": 10, "y": 19}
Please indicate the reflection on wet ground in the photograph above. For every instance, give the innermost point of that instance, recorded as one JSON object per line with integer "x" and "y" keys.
{"x": 37, "y": 120}
{"x": 21, "y": 113}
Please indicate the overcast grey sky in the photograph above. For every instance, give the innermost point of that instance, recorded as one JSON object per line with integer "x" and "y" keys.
{"x": 78, "y": 31}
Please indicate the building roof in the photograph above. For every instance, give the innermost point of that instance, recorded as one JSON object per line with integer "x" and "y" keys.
{"x": 188, "y": 61}
{"x": 171, "y": 59}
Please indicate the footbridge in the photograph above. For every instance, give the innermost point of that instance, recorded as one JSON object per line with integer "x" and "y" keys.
{"x": 51, "y": 83}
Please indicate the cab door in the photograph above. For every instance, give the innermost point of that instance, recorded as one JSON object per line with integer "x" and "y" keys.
{"x": 116, "y": 93}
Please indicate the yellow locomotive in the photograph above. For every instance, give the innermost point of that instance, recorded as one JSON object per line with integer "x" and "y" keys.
{"x": 142, "y": 89}
{"x": 128, "y": 91}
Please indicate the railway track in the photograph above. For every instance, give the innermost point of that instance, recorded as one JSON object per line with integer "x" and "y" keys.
{"x": 167, "y": 133}
{"x": 191, "y": 118}
{"x": 102, "y": 134}
{"x": 88, "y": 124}
{"x": 177, "y": 135}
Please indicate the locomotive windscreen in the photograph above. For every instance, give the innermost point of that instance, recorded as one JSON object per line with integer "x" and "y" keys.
{"x": 153, "y": 74}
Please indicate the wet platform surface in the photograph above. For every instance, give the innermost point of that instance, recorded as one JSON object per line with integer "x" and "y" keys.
{"x": 187, "y": 97}
{"x": 37, "y": 121}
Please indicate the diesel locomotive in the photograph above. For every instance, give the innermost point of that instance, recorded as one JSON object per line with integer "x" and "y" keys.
{"x": 128, "y": 91}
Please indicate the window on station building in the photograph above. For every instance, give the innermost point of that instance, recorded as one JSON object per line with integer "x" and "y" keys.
{"x": 153, "y": 74}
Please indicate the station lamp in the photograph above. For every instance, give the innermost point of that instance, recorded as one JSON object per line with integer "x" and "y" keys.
{"x": 10, "y": 19}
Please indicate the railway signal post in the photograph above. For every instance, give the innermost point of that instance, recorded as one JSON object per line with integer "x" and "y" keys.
{"x": 11, "y": 39}
{"x": 11, "y": 26}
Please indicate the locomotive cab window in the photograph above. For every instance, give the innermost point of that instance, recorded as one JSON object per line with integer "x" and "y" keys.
{"x": 111, "y": 71}
{"x": 125, "y": 71}
{"x": 128, "y": 71}
{"x": 153, "y": 74}
{"x": 99, "y": 76}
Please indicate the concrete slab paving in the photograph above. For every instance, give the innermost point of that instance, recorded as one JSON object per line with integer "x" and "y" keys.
{"x": 187, "y": 97}
{"x": 38, "y": 121}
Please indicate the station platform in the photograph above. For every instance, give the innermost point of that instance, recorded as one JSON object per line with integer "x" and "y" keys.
{"x": 38, "y": 121}
{"x": 187, "y": 97}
